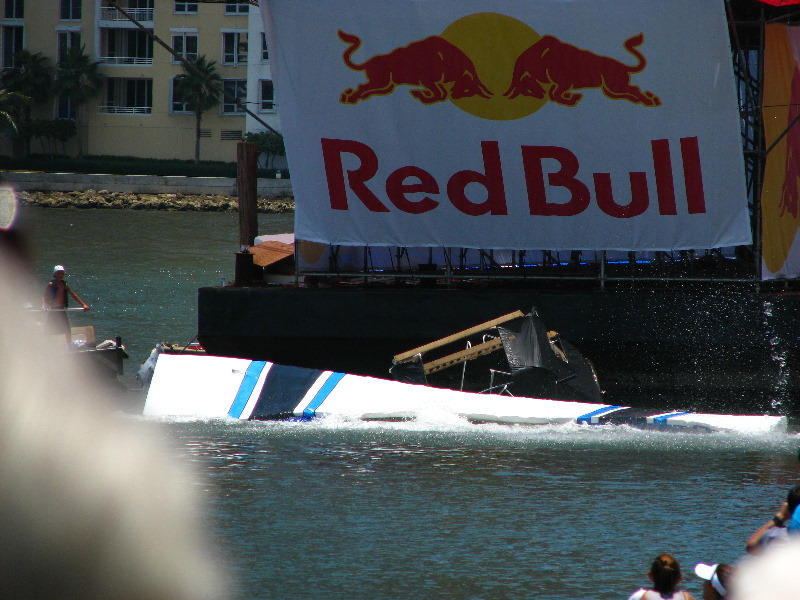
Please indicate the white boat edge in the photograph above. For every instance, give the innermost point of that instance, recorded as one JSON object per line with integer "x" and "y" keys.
{"x": 204, "y": 386}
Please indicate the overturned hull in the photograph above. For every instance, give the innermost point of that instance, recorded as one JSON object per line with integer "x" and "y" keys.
{"x": 704, "y": 351}
{"x": 220, "y": 387}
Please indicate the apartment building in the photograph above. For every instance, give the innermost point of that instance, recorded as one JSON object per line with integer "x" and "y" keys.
{"x": 137, "y": 113}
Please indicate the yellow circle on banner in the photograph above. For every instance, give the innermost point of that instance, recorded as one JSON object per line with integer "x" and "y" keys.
{"x": 493, "y": 42}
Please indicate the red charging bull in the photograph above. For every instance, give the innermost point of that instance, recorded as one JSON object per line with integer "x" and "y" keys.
{"x": 439, "y": 70}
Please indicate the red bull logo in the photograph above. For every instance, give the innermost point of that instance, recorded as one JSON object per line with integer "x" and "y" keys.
{"x": 558, "y": 69}
{"x": 496, "y": 67}
{"x": 439, "y": 69}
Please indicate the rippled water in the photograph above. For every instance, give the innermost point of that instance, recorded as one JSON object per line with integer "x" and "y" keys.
{"x": 337, "y": 510}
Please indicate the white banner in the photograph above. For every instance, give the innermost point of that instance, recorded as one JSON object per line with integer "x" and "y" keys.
{"x": 589, "y": 124}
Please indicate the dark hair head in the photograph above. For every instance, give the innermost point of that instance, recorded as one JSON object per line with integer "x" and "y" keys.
{"x": 724, "y": 573}
{"x": 793, "y": 498}
{"x": 666, "y": 573}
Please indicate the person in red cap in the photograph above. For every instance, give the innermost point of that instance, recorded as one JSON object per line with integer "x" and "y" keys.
{"x": 55, "y": 303}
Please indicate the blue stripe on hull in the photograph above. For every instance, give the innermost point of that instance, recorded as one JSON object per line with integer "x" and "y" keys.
{"x": 311, "y": 410}
{"x": 592, "y": 416}
{"x": 246, "y": 388}
{"x": 663, "y": 419}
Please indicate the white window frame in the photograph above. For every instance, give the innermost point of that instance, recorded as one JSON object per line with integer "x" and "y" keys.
{"x": 183, "y": 34}
{"x": 185, "y": 7}
{"x": 227, "y": 107}
{"x": 262, "y": 101}
{"x": 11, "y": 11}
{"x": 69, "y": 34}
{"x": 71, "y": 111}
{"x": 181, "y": 111}
{"x": 237, "y": 8}
{"x": 264, "y": 48}
{"x": 238, "y": 39}
{"x": 8, "y": 57}
{"x": 75, "y": 6}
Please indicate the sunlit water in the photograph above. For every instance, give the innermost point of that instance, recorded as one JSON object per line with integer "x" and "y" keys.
{"x": 438, "y": 508}
{"x": 345, "y": 510}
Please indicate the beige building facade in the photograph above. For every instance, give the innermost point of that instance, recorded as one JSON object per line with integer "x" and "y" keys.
{"x": 137, "y": 113}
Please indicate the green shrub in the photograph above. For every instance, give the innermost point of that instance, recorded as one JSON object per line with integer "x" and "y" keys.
{"x": 125, "y": 165}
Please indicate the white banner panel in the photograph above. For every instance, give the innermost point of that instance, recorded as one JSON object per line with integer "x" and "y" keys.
{"x": 589, "y": 124}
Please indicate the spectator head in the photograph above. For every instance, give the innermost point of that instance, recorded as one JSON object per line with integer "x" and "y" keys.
{"x": 665, "y": 574}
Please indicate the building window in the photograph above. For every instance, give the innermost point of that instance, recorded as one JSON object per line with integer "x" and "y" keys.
{"x": 71, "y": 10}
{"x": 12, "y": 43}
{"x": 179, "y": 105}
{"x": 264, "y": 48}
{"x": 234, "y": 48}
{"x": 126, "y": 47}
{"x": 267, "y": 97}
{"x": 65, "y": 109}
{"x": 185, "y": 7}
{"x": 236, "y": 8}
{"x": 185, "y": 45}
{"x": 15, "y": 9}
{"x": 128, "y": 96}
{"x": 66, "y": 41}
{"x": 236, "y": 88}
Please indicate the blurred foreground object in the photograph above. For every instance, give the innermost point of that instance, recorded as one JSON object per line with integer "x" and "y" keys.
{"x": 771, "y": 575}
{"x": 91, "y": 505}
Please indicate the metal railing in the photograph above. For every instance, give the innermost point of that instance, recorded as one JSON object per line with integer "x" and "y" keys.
{"x": 108, "y": 13}
{"x": 126, "y": 110}
{"x": 125, "y": 60}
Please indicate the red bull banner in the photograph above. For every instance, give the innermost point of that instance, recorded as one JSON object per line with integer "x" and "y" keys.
{"x": 780, "y": 192}
{"x": 513, "y": 124}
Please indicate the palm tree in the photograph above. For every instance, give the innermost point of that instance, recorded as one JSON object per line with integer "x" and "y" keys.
{"x": 10, "y": 103}
{"x": 32, "y": 76}
{"x": 200, "y": 86}
{"x": 78, "y": 80}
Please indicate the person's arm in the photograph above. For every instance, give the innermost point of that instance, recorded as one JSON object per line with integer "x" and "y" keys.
{"x": 777, "y": 521}
{"x": 78, "y": 299}
{"x": 46, "y": 297}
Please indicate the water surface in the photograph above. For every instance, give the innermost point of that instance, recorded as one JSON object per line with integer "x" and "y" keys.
{"x": 442, "y": 510}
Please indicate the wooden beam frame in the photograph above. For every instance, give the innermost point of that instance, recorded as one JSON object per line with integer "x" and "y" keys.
{"x": 409, "y": 354}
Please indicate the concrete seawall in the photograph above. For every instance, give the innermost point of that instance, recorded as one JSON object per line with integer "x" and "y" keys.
{"x": 25, "y": 181}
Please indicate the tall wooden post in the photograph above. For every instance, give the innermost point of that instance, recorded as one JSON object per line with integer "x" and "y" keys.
{"x": 247, "y": 185}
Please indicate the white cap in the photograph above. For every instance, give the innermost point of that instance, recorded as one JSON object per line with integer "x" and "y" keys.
{"x": 709, "y": 573}
{"x": 58, "y": 268}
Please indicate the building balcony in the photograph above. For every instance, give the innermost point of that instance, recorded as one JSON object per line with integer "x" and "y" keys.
{"x": 125, "y": 110}
{"x": 143, "y": 15}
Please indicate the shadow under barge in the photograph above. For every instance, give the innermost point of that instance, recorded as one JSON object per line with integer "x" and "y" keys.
{"x": 714, "y": 348}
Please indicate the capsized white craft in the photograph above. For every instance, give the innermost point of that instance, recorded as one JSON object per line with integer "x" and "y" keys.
{"x": 219, "y": 387}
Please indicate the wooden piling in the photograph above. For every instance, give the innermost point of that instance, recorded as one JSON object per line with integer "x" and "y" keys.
{"x": 247, "y": 185}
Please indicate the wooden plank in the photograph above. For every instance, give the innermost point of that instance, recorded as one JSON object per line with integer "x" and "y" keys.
{"x": 404, "y": 356}
{"x": 462, "y": 356}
